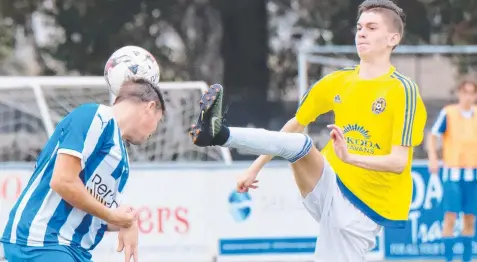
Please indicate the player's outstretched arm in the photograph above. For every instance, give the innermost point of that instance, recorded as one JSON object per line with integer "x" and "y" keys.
{"x": 67, "y": 183}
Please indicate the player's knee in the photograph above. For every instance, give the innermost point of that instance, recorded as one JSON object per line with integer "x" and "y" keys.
{"x": 307, "y": 146}
{"x": 449, "y": 219}
{"x": 469, "y": 223}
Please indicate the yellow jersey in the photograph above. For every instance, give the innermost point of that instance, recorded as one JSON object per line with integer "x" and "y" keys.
{"x": 374, "y": 115}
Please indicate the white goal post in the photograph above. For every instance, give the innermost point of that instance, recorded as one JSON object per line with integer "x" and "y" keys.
{"x": 30, "y": 108}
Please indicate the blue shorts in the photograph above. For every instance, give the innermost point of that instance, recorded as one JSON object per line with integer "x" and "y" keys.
{"x": 460, "y": 196}
{"x": 19, "y": 253}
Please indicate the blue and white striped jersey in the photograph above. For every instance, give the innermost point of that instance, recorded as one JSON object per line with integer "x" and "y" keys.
{"x": 41, "y": 217}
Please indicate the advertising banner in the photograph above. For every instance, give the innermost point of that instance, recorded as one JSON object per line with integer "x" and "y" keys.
{"x": 423, "y": 233}
{"x": 173, "y": 215}
{"x": 173, "y": 218}
{"x": 190, "y": 213}
{"x": 267, "y": 224}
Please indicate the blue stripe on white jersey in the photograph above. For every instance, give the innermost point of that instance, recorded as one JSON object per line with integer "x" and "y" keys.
{"x": 41, "y": 217}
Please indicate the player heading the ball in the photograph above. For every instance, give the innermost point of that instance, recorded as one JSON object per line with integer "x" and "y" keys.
{"x": 73, "y": 196}
{"x": 361, "y": 181}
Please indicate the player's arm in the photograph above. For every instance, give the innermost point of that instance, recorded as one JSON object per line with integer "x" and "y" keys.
{"x": 438, "y": 129}
{"x": 409, "y": 118}
{"x": 67, "y": 183}
{"x": 315, "y": 102}
{"x": 113, "y": 228}
{"x": 79, "y": 137}
{"x": 395, "y": 162}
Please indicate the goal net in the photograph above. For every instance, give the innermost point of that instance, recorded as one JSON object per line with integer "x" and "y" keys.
{"x": 30, "y": 108}
{"x": 436, "y": 69}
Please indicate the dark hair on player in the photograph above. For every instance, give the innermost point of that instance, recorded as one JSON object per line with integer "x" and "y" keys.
{"x": 141, "y": 90}
{"x": 393, "y": 12}
{"x": 466, "y": 82}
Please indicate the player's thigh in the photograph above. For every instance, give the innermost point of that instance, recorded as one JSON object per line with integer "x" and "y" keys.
{"x": 17, "y": 253}
{"x": 452, "y": 198}
{"x": 318, "y": 200}
{"x": 308, "y": 171}
{"x": 469, "y": 197}
{"x": 346, "y": 234}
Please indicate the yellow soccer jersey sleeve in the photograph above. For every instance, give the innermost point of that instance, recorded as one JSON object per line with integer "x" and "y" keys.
{"x": 319, "y": 98}
{"x": 409, "y": 115}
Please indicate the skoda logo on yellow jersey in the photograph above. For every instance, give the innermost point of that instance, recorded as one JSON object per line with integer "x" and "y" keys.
{"x": 358, "y": 139}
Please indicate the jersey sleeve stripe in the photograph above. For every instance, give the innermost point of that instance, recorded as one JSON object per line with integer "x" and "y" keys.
{"x": 413, "y": 111}
{"x": 410, "y": 90}
{"x": 303, "y": 98}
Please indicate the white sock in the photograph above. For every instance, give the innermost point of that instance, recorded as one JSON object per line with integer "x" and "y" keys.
{"x": 290, "y": 146}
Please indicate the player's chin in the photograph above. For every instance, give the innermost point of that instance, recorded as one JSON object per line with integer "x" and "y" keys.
{"x": 365, "y": 49}
{"x": 362, "y": 53}
{"x": 137, "y": 141}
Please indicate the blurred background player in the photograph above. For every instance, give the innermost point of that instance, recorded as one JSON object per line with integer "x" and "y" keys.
{"x": 457, "y": 125}
{"x": 78, "y": 179}
{"x": 361, "y": 181}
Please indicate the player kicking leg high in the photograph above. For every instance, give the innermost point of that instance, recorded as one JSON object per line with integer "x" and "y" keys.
{"x": 72, "y": 197}
{"x": 362, "y": 180}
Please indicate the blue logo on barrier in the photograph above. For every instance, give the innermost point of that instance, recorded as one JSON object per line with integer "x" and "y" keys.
{"x": 240, "y": 205}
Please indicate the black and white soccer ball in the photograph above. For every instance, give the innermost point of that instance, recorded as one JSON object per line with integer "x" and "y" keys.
{"x": 130, "y": 62}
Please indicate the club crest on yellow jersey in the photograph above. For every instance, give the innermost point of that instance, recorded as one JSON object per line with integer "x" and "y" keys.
{"x": 379, "y": 105}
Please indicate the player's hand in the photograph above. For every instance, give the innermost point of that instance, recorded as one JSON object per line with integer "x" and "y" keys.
{"x": 339, "y": 143}
{"x": 123, "y": 216}
{"x": 433, "y": 166}
{"x": 246, "y": 181}
{"x": 128, "y": 241}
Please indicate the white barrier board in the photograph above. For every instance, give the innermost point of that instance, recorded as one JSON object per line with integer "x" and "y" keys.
{"x": 193, "y": 214}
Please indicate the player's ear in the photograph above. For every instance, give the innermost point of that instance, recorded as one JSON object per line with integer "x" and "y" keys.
{"x": 394, "y": 39}
{"x": 151, "y": 105}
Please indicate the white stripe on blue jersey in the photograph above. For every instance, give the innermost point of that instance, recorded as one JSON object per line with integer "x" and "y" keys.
{"x": 41, "y": 217}
{"x": 456, "y": 174}
{"x": 439, "y": 127}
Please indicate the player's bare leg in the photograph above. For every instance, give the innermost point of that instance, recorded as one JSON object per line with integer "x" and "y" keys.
{"x": 468, "y": 232}
{"x": 448, "y": 234}
{"x": 297, "y": 148}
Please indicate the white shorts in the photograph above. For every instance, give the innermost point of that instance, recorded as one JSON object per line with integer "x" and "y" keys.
{"x": 346, "y": 234}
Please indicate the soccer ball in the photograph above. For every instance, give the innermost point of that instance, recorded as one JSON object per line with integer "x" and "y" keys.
{"x": 130, "y": 62}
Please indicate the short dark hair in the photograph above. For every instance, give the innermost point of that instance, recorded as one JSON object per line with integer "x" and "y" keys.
{"x": 465, "y": 82}
{"x": 389, "y": 8}
{"x": 141, "y": 90}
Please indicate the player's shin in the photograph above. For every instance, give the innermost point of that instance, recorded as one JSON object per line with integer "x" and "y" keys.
{"x": 290, "y": 146}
